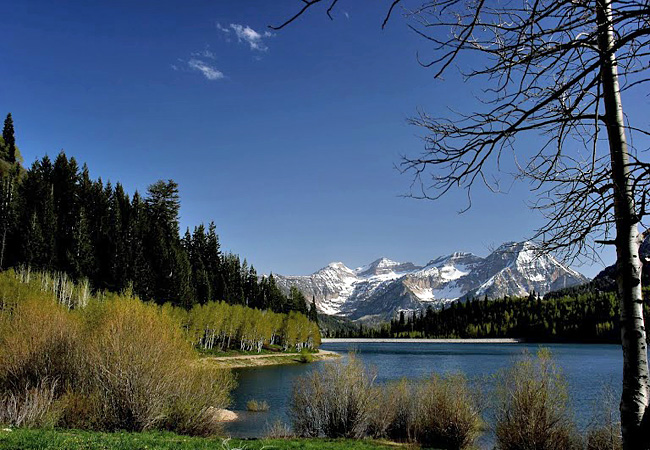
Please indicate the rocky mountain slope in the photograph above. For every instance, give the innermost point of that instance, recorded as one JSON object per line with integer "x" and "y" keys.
{"x": 384, "y": 287}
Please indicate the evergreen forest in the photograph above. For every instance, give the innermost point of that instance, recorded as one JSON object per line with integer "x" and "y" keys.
{"x": 588, "y": 316}
{"x": 54, "y": 217}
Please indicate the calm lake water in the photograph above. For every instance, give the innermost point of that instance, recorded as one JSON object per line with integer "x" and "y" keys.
{"x": 587, "y": 369}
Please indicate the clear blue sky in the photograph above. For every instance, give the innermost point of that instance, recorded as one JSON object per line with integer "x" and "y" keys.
{"x": 286, "y": 140}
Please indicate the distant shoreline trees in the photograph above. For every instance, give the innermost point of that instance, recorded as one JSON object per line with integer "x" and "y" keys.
{"x": 589, "y": 316}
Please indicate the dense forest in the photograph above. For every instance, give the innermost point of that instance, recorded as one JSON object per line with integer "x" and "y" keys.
{"x": 590, "y": 316}
{"x": 55, "y": 217}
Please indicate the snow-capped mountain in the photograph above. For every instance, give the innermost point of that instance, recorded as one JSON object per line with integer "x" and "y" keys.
{"x": 383, "y": 287}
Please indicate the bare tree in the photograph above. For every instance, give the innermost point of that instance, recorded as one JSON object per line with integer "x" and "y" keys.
{"x": 554, "y": 70}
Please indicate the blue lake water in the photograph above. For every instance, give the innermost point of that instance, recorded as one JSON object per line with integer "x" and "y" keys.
{"x": 588, "y": 369}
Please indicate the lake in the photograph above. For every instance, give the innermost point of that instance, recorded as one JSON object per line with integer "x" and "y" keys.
{"x": 588, "y": 368}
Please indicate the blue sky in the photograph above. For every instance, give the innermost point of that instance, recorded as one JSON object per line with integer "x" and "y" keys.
{"x": 287, "y": 140}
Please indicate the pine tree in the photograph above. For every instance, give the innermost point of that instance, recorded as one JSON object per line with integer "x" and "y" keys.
{"x": 9, "y": 139}
{"x": 313, "y": 312}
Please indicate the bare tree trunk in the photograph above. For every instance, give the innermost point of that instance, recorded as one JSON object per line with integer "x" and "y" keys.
{"x": 634, "y": 400}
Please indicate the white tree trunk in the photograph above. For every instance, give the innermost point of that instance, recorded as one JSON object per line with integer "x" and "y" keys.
{"x": 634, "y": 400}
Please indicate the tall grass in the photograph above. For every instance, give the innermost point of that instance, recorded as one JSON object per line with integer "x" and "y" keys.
{"x": 110, "y": 364}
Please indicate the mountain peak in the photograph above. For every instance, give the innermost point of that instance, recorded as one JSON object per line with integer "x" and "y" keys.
{"x": 337, "y": 265}
{"x": 453, "y": 257}
{"x": 383, "y": 266}
{"x": 385, "y": 286}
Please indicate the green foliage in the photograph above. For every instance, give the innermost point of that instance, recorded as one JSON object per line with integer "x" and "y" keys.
{"x": 446, "y": 413}
{"x": 220, "y": 326}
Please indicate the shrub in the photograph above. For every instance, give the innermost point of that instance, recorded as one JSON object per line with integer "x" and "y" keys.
{"x": 393, "y": 412}
{"x": 199, "y": 391}
{"x": 446, "y": 414}
{"x": 279, "y": 430}
{"x": 604, "y": 432}
{"x": 305, "y": 356}
{"x": 335, "y": 402}
{"x": 255, "y": 406}
{"x": 34, "y": 407}
{"x": 78, "y": 411}
{"x": 112, "y": 364}
{"x": 38, "y": 342}
{"x": 531, "y": 407}
{"x": 135, "y": 358}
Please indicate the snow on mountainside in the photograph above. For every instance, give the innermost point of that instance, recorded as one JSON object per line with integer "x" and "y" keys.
{"x": 384, "y": 287}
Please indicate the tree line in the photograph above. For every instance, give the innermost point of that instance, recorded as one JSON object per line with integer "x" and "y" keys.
{"x": 55, "y": 217}
{"x": 584, "y": 317}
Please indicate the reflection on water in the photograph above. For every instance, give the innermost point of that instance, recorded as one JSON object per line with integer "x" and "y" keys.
{"x": 587, "y": 368}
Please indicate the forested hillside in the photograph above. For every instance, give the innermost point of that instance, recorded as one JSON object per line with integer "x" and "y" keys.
{"x": 55, "y": 217}
{"x": 582, "y": 317}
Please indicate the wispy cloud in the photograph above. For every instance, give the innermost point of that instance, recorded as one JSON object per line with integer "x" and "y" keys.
{"x": 208, "y": 71}
{"x": 246, "y": 34}
{"x": 204, "y": 54}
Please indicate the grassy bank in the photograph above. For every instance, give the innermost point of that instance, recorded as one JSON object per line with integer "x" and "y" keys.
{"x": 270, "y": 359}
{"x": 74, "y": 439}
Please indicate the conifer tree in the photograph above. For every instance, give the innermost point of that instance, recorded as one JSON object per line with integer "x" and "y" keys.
{"x": 313, "y": 312}
{"x": 9, "y": 139}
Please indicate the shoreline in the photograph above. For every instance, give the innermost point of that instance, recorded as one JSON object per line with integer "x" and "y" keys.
{"x": 243, "y": 361}
{"x": 423, "y": 341}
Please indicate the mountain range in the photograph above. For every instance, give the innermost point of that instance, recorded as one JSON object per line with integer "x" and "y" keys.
{"x": 382, "y": 288}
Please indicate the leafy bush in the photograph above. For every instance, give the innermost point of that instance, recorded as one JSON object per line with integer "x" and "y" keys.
{"x": 531, "y": 408}
{"x": 441, "y": 411}
{"x": 335, "y": 402}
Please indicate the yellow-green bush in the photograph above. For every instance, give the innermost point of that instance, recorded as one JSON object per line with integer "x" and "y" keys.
{"x": 199, "y": 391}
{"x": 446, "y": 413}
{"x": 335, "y": 402}
{"x": 134, "y": 357}
{"x": 393, "y": 414}
{"x": 115, "y": 363}
{"x": 532, "y": 407}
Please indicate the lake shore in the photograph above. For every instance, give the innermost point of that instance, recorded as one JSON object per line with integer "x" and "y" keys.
{"x": 240, "y": 361}
{"x": 423, "y": 341}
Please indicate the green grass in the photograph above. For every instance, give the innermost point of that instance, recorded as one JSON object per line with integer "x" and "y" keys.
{"x": 77, "y": 440}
